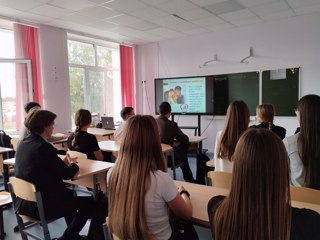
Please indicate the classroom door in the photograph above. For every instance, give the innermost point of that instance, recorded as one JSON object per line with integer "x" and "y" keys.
{"x": 16, "y": 89}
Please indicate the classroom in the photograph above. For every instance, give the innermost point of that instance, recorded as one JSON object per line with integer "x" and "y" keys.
{"x": 169, "y": 39}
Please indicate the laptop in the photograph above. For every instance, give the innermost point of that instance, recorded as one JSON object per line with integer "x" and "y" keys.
{"x": 107, "y": 122}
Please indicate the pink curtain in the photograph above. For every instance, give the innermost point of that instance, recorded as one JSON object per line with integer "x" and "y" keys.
{"x": 26, "y": 40}
{"x": 127, "y": 78}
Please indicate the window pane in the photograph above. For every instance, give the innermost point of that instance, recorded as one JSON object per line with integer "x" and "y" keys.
{"x": 81, "y": 53}
{"x": 76, "y": 90}
{"x": 7, "y": 44}
{"x": 96, "y": 92}
{"x": 104, "y": 56}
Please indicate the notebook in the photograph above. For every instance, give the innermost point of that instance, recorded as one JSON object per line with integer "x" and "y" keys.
{"x": 107, "y": 122}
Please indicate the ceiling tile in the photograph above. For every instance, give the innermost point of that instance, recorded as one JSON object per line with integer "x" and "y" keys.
{"x": 174, "y": 6}
{"x": 125, "y": 5}
{"x": 224, "y": 7}
{"x": 218, "y": 27}
{"x": 33, "y": 17}
{"x": 124, "y": 30}
{"x": 166, "y": 20}
{"x": 103, "y": 25}
{"x": 302, "y": 3}
{"x": 270, "y": 8}
{"x": 251, "y": 3}
{"x": 80, "y": 18}
{"x": 278, "y": 15}
{"x": 236, "y": 15}
{"x": 143, "y": 26}
{"x": 195, "y": 31}
{"x": 148, "y": 13}
{"x": 165, "y": 32}
{"x": 6, "y": 11}
{"x": 153, "y": 2}
{"x": 22, "y": 5}
{"x": 99, "y": 12}
{"x": 247, "y": 21}
{"x": 51, "y": 11}
{"x": 124, "y": 19}
{"x": 307, "y": 9}
{"x": 213, "y": 20}
{"x": 101, "y": 1}
{"x": 75, "y": 5}
{"x": 194, "y": 14}
{"x": 203, "y": 3}
{"x": 183, "y": 26}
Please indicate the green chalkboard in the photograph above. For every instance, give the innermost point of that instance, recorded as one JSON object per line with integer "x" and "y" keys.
{"x": 281, "y": 88}
{"x": 236, "y": 86}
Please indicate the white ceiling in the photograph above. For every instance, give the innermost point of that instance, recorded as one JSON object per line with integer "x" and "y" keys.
{"x": 143, "y": 21}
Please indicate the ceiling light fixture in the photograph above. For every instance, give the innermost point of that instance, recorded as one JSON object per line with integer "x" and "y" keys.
{"x": 206, "y": 64}
{"x": 245, "y": 60}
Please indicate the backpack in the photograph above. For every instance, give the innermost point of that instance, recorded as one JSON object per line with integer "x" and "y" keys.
{"x": 5, "y": 140}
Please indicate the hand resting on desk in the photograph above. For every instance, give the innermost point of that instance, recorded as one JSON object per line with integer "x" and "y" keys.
{"x": 69, "y": 160}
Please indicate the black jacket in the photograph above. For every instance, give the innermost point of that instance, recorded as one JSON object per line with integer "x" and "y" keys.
{"x": 280, "y": 131}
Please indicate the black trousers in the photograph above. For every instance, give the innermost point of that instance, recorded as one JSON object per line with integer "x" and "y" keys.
{"x": 180, "y": 156}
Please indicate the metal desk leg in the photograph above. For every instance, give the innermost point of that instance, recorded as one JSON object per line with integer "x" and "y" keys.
{"x": 173, "y": 165}
{"x": 95, "y": 186}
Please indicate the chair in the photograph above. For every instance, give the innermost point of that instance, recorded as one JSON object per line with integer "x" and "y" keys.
{"x": 220, "y": 179}
{"x": 27, "y": 191}
{"x": 14, "y": 143}
{"x": 5, "y": 201}
{"x": 303, "y": 194}
{"x": 77, "y": 154}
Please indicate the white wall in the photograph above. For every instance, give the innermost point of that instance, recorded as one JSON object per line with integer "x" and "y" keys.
{"x": 55, "y": 74}
{"x": 285, "y": 43}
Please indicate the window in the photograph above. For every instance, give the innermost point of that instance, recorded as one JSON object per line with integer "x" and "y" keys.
{"x": 94, "y": 72}
{"x": 15, "y": 84}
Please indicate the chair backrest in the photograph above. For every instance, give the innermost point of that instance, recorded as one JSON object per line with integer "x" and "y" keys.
{"x": 303, "y": 194}
{"x": 220, "y": 179}
{"x": 23, "y": 189}
{"x": 14, "y": 143}
{"x": 76, "y": 154}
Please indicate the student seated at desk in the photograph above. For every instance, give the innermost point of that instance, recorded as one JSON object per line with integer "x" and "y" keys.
{"x": 236, "y": 123}
{"x": 172, "y": 135}
{"x": 37, "y": 162}
{"x": 265, "y": 115}
{"x": 81, "y": 140}
{"x": 303, "y": 147}
{"x": 258, "y": 205}
{"x": 125, "y": 114}
{"x": 140, "y": 189}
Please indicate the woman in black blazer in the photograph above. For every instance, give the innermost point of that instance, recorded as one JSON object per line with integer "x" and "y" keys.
{"x": 37, "y": 162}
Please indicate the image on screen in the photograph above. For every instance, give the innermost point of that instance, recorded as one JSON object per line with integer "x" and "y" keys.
{"x": 190, "y": 95}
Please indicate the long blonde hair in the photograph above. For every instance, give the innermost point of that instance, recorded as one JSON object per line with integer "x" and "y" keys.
{"x": 266, "y": 113}
{"x": 140, "y": 155}
{"x": 237, "y": 121}
{"x": 258, "y": 206}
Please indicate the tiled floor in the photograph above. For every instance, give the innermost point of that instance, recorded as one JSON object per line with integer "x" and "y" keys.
{"x": 57, "y": 227}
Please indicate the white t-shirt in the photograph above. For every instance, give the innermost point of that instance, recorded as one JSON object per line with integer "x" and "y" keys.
{"x": 297, "y": 172}
{"x": 118, "y": 133}
{"x": 221, "y": 164}
{"x": 162, "y": 190}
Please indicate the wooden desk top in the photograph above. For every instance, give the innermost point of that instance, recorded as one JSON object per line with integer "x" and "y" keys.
{"x": 5, "y": 198}
{"x": 113, "y": 146}
{"x": 5, "y": 150}
{"x": 9, "y": 161}
{"x": 90, "y": 167}
{"x": 200, "y": 196}
{"x": 100, "y": 131}
{"x": 196, "y": 139}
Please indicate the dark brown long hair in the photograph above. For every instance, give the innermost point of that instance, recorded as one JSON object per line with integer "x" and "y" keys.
{"x": 140, "y": 154}
{"x": 82, "y": 118}
{"x": 309, "y": 139}
{"x": 237, "y": 121}
{"x": 37, "y": 120}
{"x": 258, "y": 206}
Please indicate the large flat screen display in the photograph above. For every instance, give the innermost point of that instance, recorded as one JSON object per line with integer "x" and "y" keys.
{"x": 188, "y": 95}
